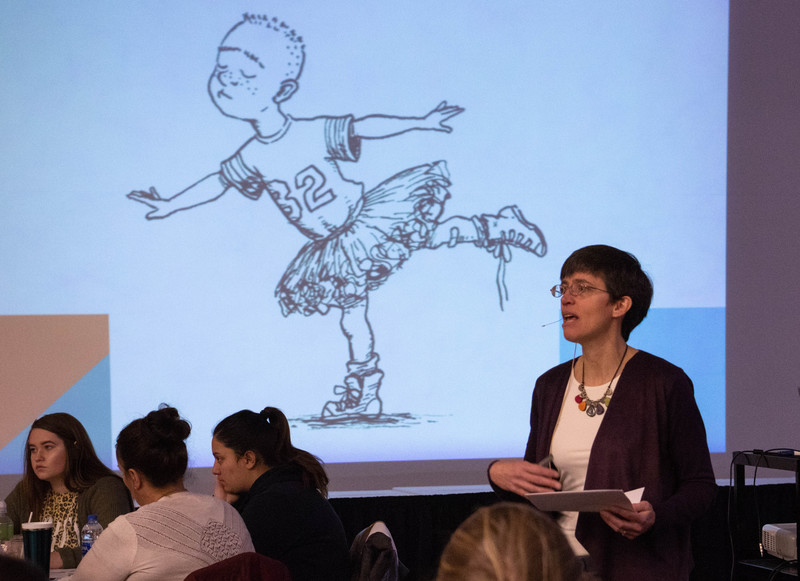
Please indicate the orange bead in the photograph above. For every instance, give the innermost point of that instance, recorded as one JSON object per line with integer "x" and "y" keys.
{"x": 582, "y": 406}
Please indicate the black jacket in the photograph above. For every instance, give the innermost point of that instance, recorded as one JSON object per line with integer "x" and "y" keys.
{"x": 291, "y": 521}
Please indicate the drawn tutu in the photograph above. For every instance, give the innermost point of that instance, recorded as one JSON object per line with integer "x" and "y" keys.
{"x": 391, "y": 221}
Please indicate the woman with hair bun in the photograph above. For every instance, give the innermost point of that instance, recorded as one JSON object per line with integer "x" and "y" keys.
{"x": 281, "y": 493}
{"x": 65, "y": 481}
{"x": 175, "y": 532}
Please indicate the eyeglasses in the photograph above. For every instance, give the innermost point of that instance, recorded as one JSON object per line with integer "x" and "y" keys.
{"x": 575, "y": 289}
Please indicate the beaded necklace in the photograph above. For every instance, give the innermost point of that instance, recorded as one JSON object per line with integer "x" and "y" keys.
{"x": 594, "y": 407}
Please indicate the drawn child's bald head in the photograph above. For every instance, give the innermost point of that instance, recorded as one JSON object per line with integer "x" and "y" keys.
{"x": 258, "y": 66}
{"x": 268, "y": 41}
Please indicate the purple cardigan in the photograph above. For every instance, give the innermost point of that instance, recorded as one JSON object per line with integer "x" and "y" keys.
{"x": 652, "y": 436}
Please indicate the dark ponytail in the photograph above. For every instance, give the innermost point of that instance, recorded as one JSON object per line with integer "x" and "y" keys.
{"x": 267, "y": 435}
{"x": 155, "y": 446}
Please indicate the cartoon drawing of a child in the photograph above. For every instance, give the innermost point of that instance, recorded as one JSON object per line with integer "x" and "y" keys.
{"x": 356, "y": 238}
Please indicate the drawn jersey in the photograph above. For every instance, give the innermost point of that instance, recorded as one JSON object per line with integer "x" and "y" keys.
{"x": 299, "y": 170}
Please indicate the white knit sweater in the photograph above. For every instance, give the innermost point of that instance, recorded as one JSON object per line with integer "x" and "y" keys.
{"x": 166, "y": 540}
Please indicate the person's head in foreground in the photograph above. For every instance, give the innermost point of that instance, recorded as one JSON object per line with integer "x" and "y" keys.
{"x": 152, "y": 456}
{"x": 508, "y": 541}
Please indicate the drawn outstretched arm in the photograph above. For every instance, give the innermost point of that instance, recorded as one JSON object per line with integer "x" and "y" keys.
{"x": 380, "y": 126}
{"x": 208, "y": 189}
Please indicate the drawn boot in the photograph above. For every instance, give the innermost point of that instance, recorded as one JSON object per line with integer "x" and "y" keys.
{"x": 359, "y": 394}
{"x": 498, "y": 233}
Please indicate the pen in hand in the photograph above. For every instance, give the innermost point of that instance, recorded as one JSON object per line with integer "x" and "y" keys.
{"x": 547, "y": 462}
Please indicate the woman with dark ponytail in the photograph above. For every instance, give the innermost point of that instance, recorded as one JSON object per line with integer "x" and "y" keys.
{"x": 175, "y": 532}
{"x": 281, "y": 493}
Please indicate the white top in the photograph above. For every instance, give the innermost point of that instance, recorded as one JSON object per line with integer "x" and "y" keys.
{"x": 571, "y": 445}
{"x": 166, "y": 540}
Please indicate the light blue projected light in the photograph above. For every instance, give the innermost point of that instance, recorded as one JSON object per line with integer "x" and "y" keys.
{"x": 694, "y": 340}
{"x": 586, "y": 122}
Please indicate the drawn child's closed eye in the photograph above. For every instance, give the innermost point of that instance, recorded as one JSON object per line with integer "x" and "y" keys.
{"x": 239, "y": 86}
{"x": 257, "y": 68}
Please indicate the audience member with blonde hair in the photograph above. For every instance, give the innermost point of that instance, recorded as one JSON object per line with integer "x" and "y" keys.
{"x": 509, "y": 541}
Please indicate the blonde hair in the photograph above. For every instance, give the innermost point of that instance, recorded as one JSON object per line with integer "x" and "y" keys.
{"x": 508, "y": 541}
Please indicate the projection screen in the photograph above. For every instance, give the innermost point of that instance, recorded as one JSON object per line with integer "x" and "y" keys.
{"x": 439, "y": 127}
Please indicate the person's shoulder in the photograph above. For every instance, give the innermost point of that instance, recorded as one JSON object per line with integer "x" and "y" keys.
{"x": 208, "y": 500}
{"x": 189, "y": 497}
{"x": 15, "y": 501}
{"x": 108, "y": 488}
{"x": 111, "y": 482}
{"x": 555, "y": 373}
{"x": 646, "y": 366}
{"x": 228, "y": 510}
{"x": 124, "y": 525}
{"x": 644, "y": 360}
{"x": 203, "y": 503}
{"x": 16, "y": 492}
{"x": 278, "y": 492}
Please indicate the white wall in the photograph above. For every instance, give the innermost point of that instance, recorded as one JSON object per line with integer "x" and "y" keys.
{"x": 763, "y": 312}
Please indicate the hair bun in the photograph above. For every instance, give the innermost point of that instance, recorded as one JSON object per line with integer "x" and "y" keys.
{"x": 166, "y": 425}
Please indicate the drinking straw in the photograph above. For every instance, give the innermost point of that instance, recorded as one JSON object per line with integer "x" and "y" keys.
{"x": 30, "y": 517}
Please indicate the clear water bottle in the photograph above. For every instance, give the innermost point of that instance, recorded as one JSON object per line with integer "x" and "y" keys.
{"x": 6, "y": 524}
{"x": 89, "y": 533}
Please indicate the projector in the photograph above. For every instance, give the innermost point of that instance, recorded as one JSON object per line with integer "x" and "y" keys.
{"x": 780, "y": 540}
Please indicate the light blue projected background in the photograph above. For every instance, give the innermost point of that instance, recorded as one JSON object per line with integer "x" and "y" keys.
{"x": 604, "y": 122}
